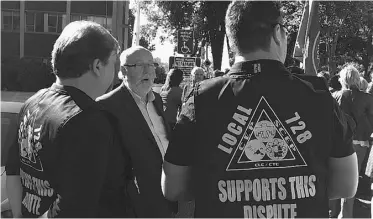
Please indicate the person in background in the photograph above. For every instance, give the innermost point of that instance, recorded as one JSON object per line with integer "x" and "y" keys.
{"x": 144, "y": 132}
{"x": 296, "y": 70}
{"x": 171, "y": 95}
{"x": 369, "y": 173}
{"x": 159, "y": 73}
{"x": 230, "y": 150}
{"x": 226, "y": 71}
{"x": 218, "y": 73}
{"x": 363, "y": 84}
{"x": 325, "y": 75}
{"x": 359, "y": 106}
{"x": 334, "y": 84}
{"x": 66, "y": 161}
{"x": 196, "y": 75}
{"x": 207, "y": 68}
{"x": 370, "y": 88}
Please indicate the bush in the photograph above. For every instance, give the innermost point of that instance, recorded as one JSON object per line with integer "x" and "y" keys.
{"x": 28, "y": 75}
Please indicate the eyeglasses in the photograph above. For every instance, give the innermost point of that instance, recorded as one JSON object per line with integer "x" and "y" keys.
{"x": 142, "y": 65}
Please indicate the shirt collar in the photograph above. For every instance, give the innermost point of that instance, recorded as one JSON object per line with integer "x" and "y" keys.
{"x": 149, "y": 96}
{"x": 257, "y": 66}
{"x": 81, "y": 99}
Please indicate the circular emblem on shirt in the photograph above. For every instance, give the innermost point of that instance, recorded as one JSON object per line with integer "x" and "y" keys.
{"x": 277, "y": 149}
{"x": 265, "y": 131}
{"x": 255, "y": 150}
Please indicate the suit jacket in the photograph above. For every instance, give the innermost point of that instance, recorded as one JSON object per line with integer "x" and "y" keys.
{"x": 144, "y": 190}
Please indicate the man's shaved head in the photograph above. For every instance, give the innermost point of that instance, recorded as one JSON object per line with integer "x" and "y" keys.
{"x": 134, "y": 55}
{"x": 137, "y": 67}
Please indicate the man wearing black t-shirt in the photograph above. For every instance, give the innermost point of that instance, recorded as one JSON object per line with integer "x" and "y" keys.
{"x": 259, "y": 142}
{"x": 66, "y": 161}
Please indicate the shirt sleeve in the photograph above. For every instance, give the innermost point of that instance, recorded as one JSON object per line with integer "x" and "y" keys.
{"x": 342, "y": 134}
{"x": 12, "y": 166}
{"x": 180, "y": 149}
{"x": 80, "y": 165}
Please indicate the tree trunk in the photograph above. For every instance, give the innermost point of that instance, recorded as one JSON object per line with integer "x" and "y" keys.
{"x": 332, "y": 63}
{"x": 217, "y": 41}
{"x": 368, "y": 57}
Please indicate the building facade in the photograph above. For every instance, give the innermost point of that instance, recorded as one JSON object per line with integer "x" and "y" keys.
{"x": 30, "y": 28}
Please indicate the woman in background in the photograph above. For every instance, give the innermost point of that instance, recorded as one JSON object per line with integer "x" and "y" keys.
{"x": 171, "y": 95}
{"x": 196, "y": 75}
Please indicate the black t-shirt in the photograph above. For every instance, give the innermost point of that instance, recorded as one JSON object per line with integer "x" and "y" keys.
{"x": 258, "y": 141}
{"x": 69, "y": 160}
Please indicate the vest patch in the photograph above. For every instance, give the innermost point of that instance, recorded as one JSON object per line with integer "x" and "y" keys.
{"x": 265, "y": 142}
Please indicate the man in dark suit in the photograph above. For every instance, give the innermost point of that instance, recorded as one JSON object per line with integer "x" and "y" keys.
{"x": 138, "y": 113}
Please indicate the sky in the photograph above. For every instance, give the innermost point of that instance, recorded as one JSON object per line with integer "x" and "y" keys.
{"x": 161, "y": 51}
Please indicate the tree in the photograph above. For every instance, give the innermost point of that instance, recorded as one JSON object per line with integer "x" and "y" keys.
{"x": 346, "y": 32}
{"x": 147, "y": 34}
{"x": 207, "y": 18}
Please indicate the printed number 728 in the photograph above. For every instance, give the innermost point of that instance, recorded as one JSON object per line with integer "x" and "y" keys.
{"x": 301, "y": 138}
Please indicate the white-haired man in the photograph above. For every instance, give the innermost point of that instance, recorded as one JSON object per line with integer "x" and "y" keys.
{"x": 143, "y": 129}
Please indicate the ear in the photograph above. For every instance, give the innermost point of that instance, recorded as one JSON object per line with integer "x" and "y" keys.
{"x": 277, "y": 35}
{"x": 96, "y": 67}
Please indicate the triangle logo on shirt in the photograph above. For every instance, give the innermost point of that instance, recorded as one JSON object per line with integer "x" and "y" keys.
{"x": 266, "y": 144}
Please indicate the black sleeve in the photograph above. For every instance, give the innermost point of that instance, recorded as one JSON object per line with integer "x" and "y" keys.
{"x": 342, "y": 134}
{"x": 80, "y": 165}
{"x": 180, "y": 148}
{"x": 12, "y": 166}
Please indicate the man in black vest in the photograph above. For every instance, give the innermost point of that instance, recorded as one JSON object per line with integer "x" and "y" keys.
{"x": 259, "y": 142}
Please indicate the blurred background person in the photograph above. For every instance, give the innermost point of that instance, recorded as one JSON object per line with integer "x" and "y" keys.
{"x": 296, "y": 70}
{"x": 218, "y": 73}
{"x": 160, "y": 74}
{"x": 207, "y": 68}
{"x": 363, "y": 84}
{"x": 226, "y": 71}
{"x": 370, "y": 88}
{"x": 359, "y": 106}
{"x": 324, "y": 74}
{"x": 171, "y": 95}
{"x": 334, "y": 84}
{"x": 196, "y": 75}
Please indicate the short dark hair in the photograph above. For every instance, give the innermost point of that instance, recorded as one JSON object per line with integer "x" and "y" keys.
{"x": 173, "y": 79}
{"x": 296, "y": 70}
{"x": 324, "y": 74}
{"x": 249, "y": 24}
{"x": 80, "y": 43}
{"x": 334, "y": 83}
{"x": 218, "y": 73}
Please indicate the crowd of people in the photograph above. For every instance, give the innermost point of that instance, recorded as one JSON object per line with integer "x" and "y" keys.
{"x": 354, "y": 96}
{"x": 257, "y": 141}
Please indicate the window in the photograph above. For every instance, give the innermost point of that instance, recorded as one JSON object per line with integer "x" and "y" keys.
{"x": 55, "y": 23}
{"x": 30, "y": 21}
{"x": 75, "y": 18}
{"x": 52, "y": 23}
{"x": 109, "y": 25}
{"x": 39, "y": 22}
{"x": 34, "y": 21}
{"x": 104, "y": 21}
{"x": 10, "y": 20}
{"x": 7, "y": 18}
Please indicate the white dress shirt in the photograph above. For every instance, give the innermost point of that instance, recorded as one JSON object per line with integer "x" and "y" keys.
{"x": 154, "y": 121}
